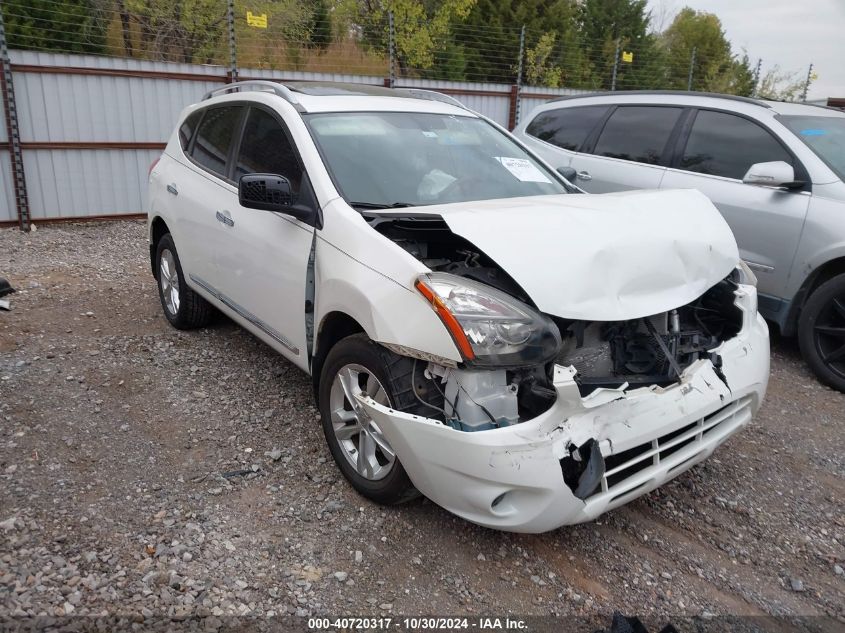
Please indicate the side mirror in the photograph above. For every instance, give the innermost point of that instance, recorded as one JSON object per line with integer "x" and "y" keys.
{"x": 568, "y": 173}
{"x": 267, "y": 192}
{"x": 271, "y": 192}
{"x": 772, "y": 174}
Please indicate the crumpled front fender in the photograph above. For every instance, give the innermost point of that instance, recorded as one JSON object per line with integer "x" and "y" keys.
{"x": 511, "y": 477}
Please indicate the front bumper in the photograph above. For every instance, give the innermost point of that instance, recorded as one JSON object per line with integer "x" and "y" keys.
{"x": 511, "y": 479}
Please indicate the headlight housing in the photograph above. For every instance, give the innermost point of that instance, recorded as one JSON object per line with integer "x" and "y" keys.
{"x": 490, "y": 328}
{"x": 744, "y": 275}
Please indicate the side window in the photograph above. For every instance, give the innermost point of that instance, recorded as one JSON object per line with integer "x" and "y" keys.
{"x": 722, "y": 144}
{"x": 214, "y": 138}
{"x": 637, "y": 133}
{"x": 567, "y": 128}
{"x": 265, "y": 149}
{"x": 186, "y": 130}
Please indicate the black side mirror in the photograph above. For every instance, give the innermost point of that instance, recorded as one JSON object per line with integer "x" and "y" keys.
{"x": 568, "y": 173}
{"x": 267, "y": 192}
{"x": 271, "y": 192}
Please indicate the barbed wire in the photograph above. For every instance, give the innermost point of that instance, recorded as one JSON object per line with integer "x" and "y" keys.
{"x": 466, "y": 52}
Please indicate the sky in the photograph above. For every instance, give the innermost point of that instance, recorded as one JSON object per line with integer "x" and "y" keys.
{"x": 789, "y": 33}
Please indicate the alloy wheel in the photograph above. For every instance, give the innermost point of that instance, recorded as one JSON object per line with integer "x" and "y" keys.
{"x": 829, "y": 334}
{"x": 358, "y": 436}
{"x": 169, "y": 281}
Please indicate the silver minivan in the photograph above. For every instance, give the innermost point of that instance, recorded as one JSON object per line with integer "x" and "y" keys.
{"x": 775, "y": 171}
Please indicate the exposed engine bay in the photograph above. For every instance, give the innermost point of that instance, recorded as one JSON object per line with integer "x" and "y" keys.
{"x": 648, "y": 351}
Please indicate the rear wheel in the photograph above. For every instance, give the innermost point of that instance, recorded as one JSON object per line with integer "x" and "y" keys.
{"x": 183, "y": 307}
{"x": 354, "y": 366}
{"x": 821, "y": 332}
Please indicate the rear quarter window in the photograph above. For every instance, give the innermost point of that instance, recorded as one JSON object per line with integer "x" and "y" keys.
{"x": 187, "y": 129}
{"x": 214, "y": 138}
{"x": 567, "y": 128}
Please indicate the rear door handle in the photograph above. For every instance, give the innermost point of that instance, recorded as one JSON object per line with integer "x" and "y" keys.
{"x": 224, "y": 217}
{"x": 584, "y": 175}
{"x": 172, "y": 189}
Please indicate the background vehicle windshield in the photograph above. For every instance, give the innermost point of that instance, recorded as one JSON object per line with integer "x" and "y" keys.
{"x": 409, "y": 159}
{"x": 825, "y": 135}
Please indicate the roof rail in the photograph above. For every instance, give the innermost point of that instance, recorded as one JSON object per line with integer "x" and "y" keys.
{"x": 677, "y": 93}
{"x": 258, "y": 85}
{"x": 431, "y": 95}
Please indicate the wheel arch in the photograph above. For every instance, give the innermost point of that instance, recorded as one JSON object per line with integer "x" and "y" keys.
{"x": 825, "y": 272}
{"x": 158, "y": 228}
{"x": 333, "y": 327}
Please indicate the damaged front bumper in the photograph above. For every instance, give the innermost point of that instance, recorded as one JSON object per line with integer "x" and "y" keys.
{"x": 511, "y": 478}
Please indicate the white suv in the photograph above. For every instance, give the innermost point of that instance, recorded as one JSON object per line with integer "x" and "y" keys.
{"x": 476, "y": 330}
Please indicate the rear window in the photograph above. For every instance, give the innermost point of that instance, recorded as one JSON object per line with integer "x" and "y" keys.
{"x": 567, "y": 128}
{"x": 214, "y": 138}
{"x": 186, "y": 130}
{"x": 637, "y": 133}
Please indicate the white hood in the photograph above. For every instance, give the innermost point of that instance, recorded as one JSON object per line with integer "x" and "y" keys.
{"x": 607, "y": 257}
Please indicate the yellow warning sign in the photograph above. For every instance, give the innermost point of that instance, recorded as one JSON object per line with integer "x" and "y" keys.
{"x": 627, "y": 56}
{"x": 259, "y": 21}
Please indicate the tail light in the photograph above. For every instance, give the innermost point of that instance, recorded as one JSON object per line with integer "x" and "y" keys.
{"x": 152, "y": 166}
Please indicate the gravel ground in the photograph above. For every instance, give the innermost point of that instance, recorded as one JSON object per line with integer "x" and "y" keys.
{"x": 148, "y": 472}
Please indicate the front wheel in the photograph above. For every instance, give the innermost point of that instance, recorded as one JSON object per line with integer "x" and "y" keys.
{"x": 821, "y": 332}
{"x": 356, "y": 365}
{"x": 184, "y": 308}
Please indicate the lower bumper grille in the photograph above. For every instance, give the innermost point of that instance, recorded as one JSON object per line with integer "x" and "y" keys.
{"x": 621, "y": 467}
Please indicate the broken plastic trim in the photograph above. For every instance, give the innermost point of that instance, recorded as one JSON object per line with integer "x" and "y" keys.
{"x": 5, "y": 287}
{"x": 583, "y": 468}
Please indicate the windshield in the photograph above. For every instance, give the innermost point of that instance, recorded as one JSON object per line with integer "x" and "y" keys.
{"x": 395, "y": 159}
{"x": 825, "y": 135}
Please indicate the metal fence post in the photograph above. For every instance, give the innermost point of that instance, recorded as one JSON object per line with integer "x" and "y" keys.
{"x": 13, "y": 131}
{"x": 807, "y": 83}
{"x": 515, "y": 105}
{"x": 615, "y": 67}
{"x": 691, "y": 68}
{"x": 391, "y": 50}
{"x": 233, "y": 56}
{"x": 757, "y": 76}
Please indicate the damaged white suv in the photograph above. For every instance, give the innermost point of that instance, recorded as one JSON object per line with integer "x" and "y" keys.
{"x": 477, "y": 330}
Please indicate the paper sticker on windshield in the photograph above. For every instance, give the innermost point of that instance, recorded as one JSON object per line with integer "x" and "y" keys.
{"x": 523, "y": 169}
{"x": 813, "y": 132}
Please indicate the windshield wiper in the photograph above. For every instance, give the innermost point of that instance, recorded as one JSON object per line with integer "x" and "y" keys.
{"x": 377, "y": 205}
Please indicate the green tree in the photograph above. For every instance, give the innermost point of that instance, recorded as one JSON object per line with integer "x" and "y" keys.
{"x": 421, "y": 28}
{"x": 319, "y": 25}
{"x": 715, "y": 68}
{"x": 71, "y": 26}
{"x": 780, "y": 85}
{"x": 490, "y": 35}
{"x": 605, "y": 23}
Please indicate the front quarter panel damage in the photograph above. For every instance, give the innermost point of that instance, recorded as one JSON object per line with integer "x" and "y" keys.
{"x": 511, "y": 477}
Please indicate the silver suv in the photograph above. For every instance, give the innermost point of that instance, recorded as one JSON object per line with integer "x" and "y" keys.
{"x": 774, "y": 170}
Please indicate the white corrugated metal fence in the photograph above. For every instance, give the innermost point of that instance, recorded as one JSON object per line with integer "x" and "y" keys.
{"x": 90, "y": 126}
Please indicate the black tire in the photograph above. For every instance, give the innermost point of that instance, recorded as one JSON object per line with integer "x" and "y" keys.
{"x": 394, "y": 372}
{"x": 821, "y": 332}
{"x": 191, "y": 310}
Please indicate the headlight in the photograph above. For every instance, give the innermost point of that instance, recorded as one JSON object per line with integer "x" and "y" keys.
{"x": 744, "y": 275}
{"x": 490, "y": 328}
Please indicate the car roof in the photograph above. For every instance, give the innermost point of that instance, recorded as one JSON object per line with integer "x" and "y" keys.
{"x": 737, "y": 103}
{"x": 308, "y": 97}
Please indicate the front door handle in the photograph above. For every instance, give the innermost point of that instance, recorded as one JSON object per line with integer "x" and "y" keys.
{"x": 584, "y": 175}
{"x": 224, "y": 217}
{"x": 171, "y": 188}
